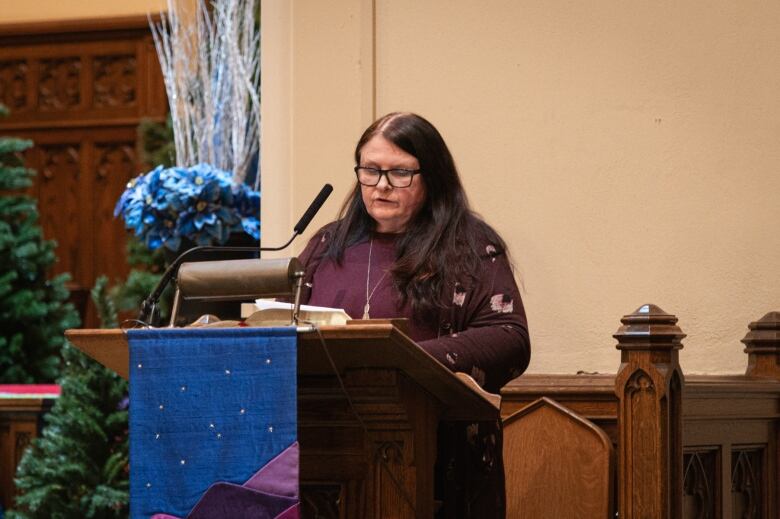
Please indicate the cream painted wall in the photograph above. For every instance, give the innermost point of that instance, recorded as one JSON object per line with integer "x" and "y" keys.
{"x": 627, "y": 152}
{"x": 317, "y": 91}
{"x": 48, "y": 10}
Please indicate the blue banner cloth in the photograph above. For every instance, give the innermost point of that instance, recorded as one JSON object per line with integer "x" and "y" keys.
{"x": 206, "y": 406}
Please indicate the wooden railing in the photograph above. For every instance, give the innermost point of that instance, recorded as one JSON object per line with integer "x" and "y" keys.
{"x": 21, "y": 414}
{"x": 646, "y": 442}
{"x": 691, "y": 446}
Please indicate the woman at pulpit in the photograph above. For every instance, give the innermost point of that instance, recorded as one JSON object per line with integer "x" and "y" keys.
{"x": 406, "y": 244}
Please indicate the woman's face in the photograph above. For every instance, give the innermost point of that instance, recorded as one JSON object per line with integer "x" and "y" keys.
{"x": 391, "y": 207}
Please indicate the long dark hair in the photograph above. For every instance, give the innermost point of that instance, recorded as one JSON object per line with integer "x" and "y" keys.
{"x": 444, "y": 242}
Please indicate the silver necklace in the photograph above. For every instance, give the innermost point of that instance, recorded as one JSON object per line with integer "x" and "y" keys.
{"x": 368, "y": 278}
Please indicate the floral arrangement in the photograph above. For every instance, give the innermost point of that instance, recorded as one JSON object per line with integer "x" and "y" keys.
{"x": 209, "y": 59}
{"x": 200, "y": 203}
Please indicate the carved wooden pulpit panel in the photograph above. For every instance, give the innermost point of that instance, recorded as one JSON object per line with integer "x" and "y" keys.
{"x": 79, "y": 90}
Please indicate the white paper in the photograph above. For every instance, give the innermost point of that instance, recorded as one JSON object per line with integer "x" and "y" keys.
{"x": 264, "y": 312}
{"x": 266, "y": 304}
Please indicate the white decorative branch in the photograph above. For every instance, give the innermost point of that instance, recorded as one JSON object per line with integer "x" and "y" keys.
{"x": 211, "y": 68}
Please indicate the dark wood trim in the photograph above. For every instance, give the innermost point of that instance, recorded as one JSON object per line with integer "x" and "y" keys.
{"x": 20, "y": 423}
{"x": 59, "y": 28}
{"x": 79, "y": 88}
{"x": 721, "y": 416}
{"x": 87, "y": 124}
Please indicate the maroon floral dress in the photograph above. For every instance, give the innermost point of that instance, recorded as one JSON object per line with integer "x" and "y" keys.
{"x": 483, "y": 333}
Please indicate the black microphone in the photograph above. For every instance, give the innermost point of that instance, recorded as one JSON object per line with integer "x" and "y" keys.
{"x": 313, "y": 209}
{"x": 325, "y": 192}
{"x": 149, "y": 306}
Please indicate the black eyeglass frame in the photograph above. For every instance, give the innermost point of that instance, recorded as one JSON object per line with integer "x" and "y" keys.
{"x": 386, "y": 172}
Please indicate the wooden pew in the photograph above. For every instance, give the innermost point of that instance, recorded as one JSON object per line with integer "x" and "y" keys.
{"x": 21, "y": 411}
{"x": 697, "y": 446}
{"x": 564, "y": 455}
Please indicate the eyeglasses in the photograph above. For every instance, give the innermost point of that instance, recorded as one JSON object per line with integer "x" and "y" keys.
{"x": 395, "y": 177}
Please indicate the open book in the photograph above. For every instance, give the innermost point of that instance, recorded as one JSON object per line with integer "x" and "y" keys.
{"x": 273, "y": 313}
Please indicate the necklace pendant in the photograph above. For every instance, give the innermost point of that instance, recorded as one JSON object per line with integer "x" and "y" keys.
{"x": 365, "y": 311}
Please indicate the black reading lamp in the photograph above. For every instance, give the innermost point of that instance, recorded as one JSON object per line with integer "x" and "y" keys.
{"x": 233, "y": 280}
{"x": 239, "y": 280}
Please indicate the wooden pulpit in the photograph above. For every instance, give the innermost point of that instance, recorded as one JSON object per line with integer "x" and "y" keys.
{"x": 367, "y": 437}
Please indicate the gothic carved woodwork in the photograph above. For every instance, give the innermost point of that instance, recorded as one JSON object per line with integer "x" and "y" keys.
{"x": 115, "y": 165}
{"x": 59, "y": 85}
{"x": 13, "y": 84}
{"x": 747, "y": 483}
{"x": 79, "y": 90}
{"x": 730, "y": 424}
{"x": 321, "y": 501}
{"x": 376, "y": 446}
{"x": 649, "y": 388}
{"x": 115, "y": 81}
{"x": 23, "y": 439}
{"x": 700, "y": 484}
{"x": 58, "y": 182}
{"x": 393, "y": 476}
{"x": 19, "y": 423}
{"x": 641, "y": 393}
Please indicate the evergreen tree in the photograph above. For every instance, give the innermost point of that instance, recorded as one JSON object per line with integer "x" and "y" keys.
{"x": 78, "y": 468}
{"x": 147, "y": 269}
{"x": 157, "y": 143}
{"x": 33, "y": 309}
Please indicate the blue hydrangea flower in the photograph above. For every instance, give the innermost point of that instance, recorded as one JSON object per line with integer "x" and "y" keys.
{"x": 199, "y": 203}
